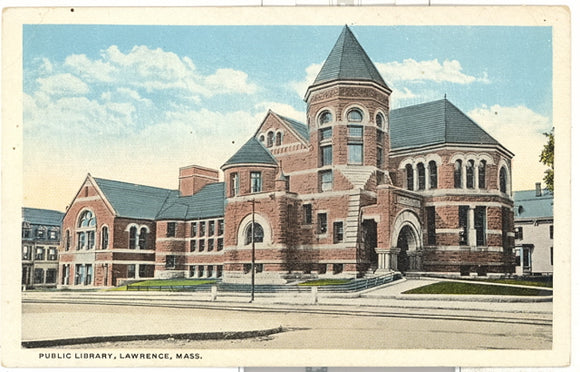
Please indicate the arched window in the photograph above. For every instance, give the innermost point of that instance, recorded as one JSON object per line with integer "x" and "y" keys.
{"x": 410, "y": 180}
{"x": 421, "y": 175}
{"x": 86, "y": 227}
{"x": 278, "y": 138}
{"x": 132, "y": 237}
{"x": 262, "y": 138}
{"x": 469, "y": 179}
{"x": 258, "y": 234}
{"x": 67, "y": 241}
{"x": 270, "y": 139}
{"x": 457, "y": 174}
{"x": 325, "y": 117}
{"x": 354, "y": 115}
{"x": 104, "y": 237}
{"x": 503, "y": 180}
{"x": 143, "y": 238}
{"x": 432, "y": 174}
{"x": 379, "y": 120}
{"x": 481, "y": 177}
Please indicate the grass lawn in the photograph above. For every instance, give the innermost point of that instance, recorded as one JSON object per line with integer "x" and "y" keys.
{"x": 165, "y": 283}
{"x": 322, "y": 282}
{"x": 458, "y": 288}
{"x": 546, "y": 284}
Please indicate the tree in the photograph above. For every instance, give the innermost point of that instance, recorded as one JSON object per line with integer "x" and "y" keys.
{"x": 547, "y": 158}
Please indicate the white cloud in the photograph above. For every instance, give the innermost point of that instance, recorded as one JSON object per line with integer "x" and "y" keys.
{"x": 520, "y": 130}
{"x": 282, "y": 109}
{"x": 89, "y": 70}
{"x": 63, "y": 85}
{"x": 411, "y": 70}
{"x": 311, "y": 73}
{"x": 227, "y": 80}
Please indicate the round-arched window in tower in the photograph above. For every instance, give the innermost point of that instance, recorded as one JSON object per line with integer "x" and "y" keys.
{"x": 355, "y": 115}
{"x": 325, "y": 117}
{"x": 380, "y": 119}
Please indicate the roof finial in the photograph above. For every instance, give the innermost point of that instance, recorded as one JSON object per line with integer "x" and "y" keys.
{"x": 445, "y": 96}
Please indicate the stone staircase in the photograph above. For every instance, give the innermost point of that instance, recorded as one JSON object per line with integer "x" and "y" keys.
{"x": 352, "y": 220}
{"x": 357, "y": 176}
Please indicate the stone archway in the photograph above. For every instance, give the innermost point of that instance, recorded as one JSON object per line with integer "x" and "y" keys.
{"x": 406, "y": 244}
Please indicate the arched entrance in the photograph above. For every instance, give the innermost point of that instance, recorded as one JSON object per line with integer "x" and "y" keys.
{"x": 406, "y": 242}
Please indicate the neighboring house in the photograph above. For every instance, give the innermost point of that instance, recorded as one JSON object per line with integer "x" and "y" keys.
{"x": 358, "y": 190}
{"x": 534, "y": 231}
{"x": 41, "y": 234}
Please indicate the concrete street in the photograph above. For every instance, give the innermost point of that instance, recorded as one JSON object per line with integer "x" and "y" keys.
{"x": 380, "y": 319}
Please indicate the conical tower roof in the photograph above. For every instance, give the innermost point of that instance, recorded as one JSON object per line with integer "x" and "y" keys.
{"x": 252, "y": 152}
{"x": 348, "y": 61}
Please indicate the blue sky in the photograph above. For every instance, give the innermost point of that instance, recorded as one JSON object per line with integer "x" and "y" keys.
{"x": 135, "y": 103}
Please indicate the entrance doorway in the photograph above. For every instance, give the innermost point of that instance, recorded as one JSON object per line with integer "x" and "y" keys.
{"x": 369, "y": 245}
{"x": 407, "y": 243}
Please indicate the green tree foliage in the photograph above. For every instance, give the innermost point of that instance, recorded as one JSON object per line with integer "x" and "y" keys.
{"x": 547, "y": 158}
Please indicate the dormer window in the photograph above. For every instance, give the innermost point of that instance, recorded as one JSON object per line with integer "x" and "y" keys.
{"x": 270, "y": 139}
{"x": 325, "y": 118}
{"x": 355, "y": 115}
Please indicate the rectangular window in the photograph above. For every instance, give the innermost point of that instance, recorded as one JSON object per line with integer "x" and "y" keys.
{"x": 39, "y": 254}
{"x": 355, "y": 131}
{"x": 220, "y": 227}
{"x": 552, "y": 256}
{"x": 431, "y": 233}
{"x": 146, "y": 271}
{"x": 200, "y": 271}
{"x": 234, "y": 184}
{"x": 40, "y": 233}
{"x": 131, "y": 271}
{"x": 26, "y": 233}
{"x": 463, "y": 225}
{"x": 51, "y": 276}
{"x": 38, "y": 276}
{"x": 211, "y": 228}
{"x": 338, "y": 232}
{"x": 519, "y": 233}
{"x": 322, "y": 223}
{"x": 192, "y": 271}
{"x": 307, "y": 208}
{"x": 79, "y": 274}
{"x": 325, "y": 155}
{"x": 202, "y": 245}
{"x": 65, "y": 274}
{"x": 256, "y": 181}
{"x": 355, "y": 153}
{"x": 326, "y": 180}
{"x": 220, "y": 244}
{"x": 90, "y": 239}
{"x": 380, "y": 136}
{"x": 89, "y": 278}
{"x": 379, "y": 157}
{"x": 192, "y": 244}
{"x": 210, "y": 245}
{"x": 202, "y": 228}
{"x": 194, "y": 229}
{"x": 551, "y": 231}
{"x": 26, "y": 252}
{"x": 170, "y": 262}
{"x": 326, "y": 133}
{"x": 479, "y": 224}
{"x": 171, "y": 229}
{"x": 81, "y": 240}
{"x": 52, "y": 235}
{"x": 52, "y": 254}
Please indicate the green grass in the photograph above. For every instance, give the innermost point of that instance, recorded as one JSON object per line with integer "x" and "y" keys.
{"x": 322, "y": 282}
{"x": 546, "y": 284}
{"x": 164, "y": 283}
{"x": 458, "y": 288}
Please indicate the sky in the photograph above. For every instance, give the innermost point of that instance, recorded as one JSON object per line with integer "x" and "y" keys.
{"x": 136, "y": 103}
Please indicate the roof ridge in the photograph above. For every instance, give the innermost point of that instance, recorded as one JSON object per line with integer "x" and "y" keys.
{"x": 468, "y": 118}
{"x": 132, "y": 183}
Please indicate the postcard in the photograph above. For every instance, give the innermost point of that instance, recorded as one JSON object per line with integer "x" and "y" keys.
{"x": 244, "y": 186}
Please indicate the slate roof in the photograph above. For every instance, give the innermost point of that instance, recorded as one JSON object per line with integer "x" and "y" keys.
{"x": 533, "y": 206}
{"x": 37, "y": 216}
{"x": 348, "y": 60}
{"x": 131, "y": 200}
{"x": 252, "y": 152}
{"x": 207, "y": 202}
{"x": 301, "y": 128}
{"x": 432, "y": 123}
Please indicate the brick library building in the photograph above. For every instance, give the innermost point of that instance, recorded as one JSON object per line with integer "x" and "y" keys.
{"x": 359, "y": 190}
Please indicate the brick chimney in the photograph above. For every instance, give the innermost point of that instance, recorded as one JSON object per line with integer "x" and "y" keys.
{"x": 194, "y": 177}
{"x": 538, "y": 189}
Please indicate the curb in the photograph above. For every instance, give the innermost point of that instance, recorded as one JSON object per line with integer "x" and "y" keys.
{"x": 149, "y": 337}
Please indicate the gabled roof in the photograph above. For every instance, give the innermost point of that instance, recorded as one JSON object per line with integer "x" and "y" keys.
{"x": 131, "y": 200}
{"x": 207, "y": 202}
{"x": 37, "y": 216}
{"x": 432, "y": 123}
{"x": 348, "y": 61}
{"x": 252, "y": 152}
{"x": 528, "y": 205}
{"x": 301, "y": 128}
